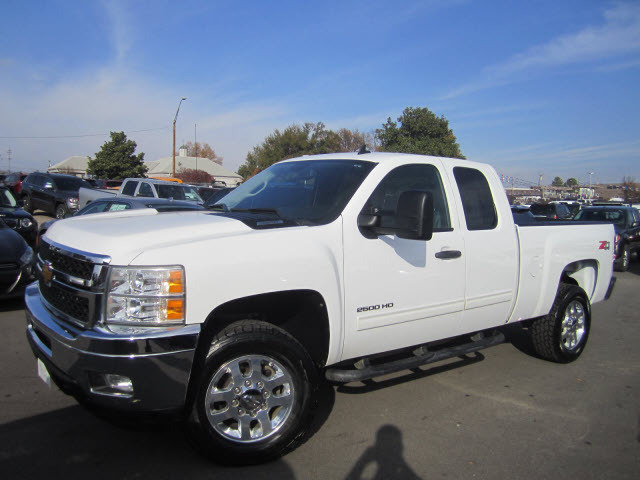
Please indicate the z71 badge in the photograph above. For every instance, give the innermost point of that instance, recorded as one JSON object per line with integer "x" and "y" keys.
{"x": 604, "y": 245}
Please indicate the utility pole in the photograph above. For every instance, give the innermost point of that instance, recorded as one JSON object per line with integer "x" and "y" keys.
{"x": 9, "y": 159}
{"x": 590, "y": 190}
{"x": 173, "y": 153}
{"x": 541, "y": 185}
{"x": 195, "y": 141}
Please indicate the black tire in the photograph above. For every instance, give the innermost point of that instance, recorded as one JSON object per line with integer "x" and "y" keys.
{"x": 61, "y": 211}
{"x": 622, "y": 264}
{"x": 562, "y": 335}
{"x": 239, "y": 415}
{"x": 26, "y": 204}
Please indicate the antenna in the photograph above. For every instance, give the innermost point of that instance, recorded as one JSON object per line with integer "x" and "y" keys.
{"x": 363, "y": 150}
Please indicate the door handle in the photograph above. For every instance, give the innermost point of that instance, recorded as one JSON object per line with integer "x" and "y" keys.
{"x": 449, "y": 254}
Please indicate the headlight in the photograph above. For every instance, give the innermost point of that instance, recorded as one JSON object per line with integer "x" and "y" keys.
{"x": 72, "y": 202}
{"x": 26, "y": 223}
{"x": 27, "y": 257}
{"x": 146, "y": 296}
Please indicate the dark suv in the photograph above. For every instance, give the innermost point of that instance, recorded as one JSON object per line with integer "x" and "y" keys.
{"x": 626, "y": 221}
{"x": 54, "y": 193}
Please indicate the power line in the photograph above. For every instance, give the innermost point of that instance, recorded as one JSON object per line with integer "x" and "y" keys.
{"x": 79, "y": 136}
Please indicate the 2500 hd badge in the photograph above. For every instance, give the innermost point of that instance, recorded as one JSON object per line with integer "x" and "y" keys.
{"x": 374, "y": 307}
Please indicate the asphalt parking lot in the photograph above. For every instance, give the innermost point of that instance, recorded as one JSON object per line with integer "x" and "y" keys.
{"x": 499, "y": 414}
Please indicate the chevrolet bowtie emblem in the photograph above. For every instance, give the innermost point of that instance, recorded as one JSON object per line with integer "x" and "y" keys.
{"x": 47, "y": 272}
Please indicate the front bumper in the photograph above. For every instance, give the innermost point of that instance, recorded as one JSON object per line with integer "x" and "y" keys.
{"x": 158, "y": 363}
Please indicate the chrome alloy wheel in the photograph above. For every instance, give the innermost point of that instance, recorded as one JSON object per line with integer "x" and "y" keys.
{"x": 573, "y": 326}
{"x": 249, "y": 398}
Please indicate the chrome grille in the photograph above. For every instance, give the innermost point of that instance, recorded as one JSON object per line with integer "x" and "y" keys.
{"x": 66, "y": 301}
{"x": 74, "y": 284}
{"x": 65, "y": 263}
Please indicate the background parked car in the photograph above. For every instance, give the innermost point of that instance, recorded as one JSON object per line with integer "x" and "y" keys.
{"x": 626, "y": 221}
{"x": 16, "y": 218}
{"x": 551, "y": 211}
{"x": 14, "y": 182}
{"x": 54, "y": 193}
{"x": 16, "y": 263}
{"x": 218, "y": 195}
{"x": 118, "y": 204}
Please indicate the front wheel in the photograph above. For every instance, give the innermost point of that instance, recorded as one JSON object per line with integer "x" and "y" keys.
{"x": 253, "y": 399}
{"x": 61, "y": 211}
{"x": 562, "y": 335}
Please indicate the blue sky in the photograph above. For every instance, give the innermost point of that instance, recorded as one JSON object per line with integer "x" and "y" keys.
{"x": 544, "y": 87}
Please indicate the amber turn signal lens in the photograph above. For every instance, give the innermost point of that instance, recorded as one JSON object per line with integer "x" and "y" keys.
{"x": 175, "y": 281}
{"x": 175, "y": 309}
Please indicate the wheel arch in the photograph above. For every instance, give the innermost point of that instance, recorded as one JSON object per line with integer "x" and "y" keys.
{"x": 301, "y": 313}
{"x": 583, "y": 274}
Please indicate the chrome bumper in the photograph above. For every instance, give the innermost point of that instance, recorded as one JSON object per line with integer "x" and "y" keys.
{"x": 158, "y": 363}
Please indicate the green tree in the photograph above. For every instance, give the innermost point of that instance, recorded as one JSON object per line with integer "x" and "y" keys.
{"x": 572, "y": 182}
{"x": 420, "y": 131}
{"x": 116, "y": 159}
{"x": 293, "y": 141}
{"x": 557, "y": 182}
{"x": 630, "y": 190}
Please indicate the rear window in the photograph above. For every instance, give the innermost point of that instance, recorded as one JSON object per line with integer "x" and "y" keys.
{"x": 477, "y": 201}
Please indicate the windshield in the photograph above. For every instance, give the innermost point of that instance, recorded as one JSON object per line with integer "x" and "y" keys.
{"x": 611, "y": 216}
{"x": 178, "y": 192}
{"x": 70, "y": 184}
{"x": 6, "y": 199}
{"x": 312, "y": 191}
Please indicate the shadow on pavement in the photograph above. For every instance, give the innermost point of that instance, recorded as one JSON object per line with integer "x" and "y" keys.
{"x": 71, "y": 443}
{"x": 11, "y": 304}
{"x": 385, "y": 456}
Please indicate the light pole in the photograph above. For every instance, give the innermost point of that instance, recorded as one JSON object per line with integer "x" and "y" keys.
{"x": 590, "y": 190}
{"x": 173, "y": 170}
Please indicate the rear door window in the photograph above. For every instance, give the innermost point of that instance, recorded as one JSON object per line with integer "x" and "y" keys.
{"x": 145, "y": 190}
{"x": 477, "y": 201}
{"x": 130, "y": 188}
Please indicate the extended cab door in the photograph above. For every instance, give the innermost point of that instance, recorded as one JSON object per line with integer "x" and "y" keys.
{"x": 401, "y": 292}
{"x": 491, "y": 245}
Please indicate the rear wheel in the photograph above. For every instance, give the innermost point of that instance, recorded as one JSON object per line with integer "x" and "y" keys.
{"x": 253, "y": 399}
{"x": 562, "y": 335}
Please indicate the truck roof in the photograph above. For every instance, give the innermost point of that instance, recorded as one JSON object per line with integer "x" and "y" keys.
{"x": 376, "y": 157}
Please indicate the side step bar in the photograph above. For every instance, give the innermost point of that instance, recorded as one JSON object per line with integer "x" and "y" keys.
{"x": 421, "y": 356}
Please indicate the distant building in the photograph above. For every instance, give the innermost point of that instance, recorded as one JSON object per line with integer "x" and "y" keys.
{"x": 164, "y": 168}
{"x": 76, "y": 165}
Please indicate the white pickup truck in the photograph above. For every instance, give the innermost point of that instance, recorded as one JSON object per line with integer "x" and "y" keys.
{"x": 342, "y": 266}
{"x": 142, "y": 187}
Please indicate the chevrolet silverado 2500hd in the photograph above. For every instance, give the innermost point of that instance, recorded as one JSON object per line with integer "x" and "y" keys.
{"x": 345, "y": 266}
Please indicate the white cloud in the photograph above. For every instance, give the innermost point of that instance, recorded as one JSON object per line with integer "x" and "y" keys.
{"x": 618, "y": 35}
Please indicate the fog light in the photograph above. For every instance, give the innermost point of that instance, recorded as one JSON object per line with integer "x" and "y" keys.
{"x": 111, "y": 384}
{"x": 119, "y": 382}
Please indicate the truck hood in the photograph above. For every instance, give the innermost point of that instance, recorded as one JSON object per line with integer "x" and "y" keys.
{"x": 125, "y": 235}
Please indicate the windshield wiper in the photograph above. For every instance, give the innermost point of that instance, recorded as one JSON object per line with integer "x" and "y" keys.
{"x": 218, "y": 206}
{"x": 258, "y": 210}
